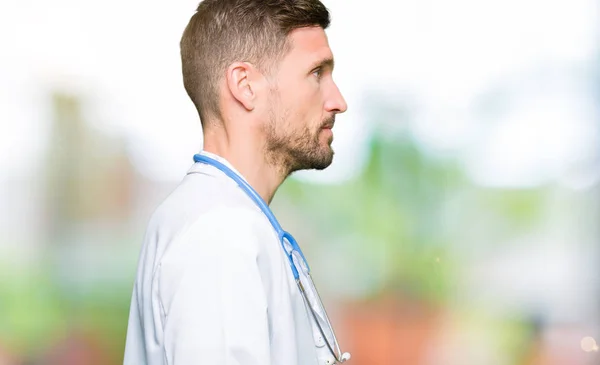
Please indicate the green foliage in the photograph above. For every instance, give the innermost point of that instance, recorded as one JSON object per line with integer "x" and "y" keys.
{"x": 38, "y": 310}
{"x": 397, "y": 214}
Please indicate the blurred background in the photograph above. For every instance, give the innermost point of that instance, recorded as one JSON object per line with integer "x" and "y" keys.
{"x": 458, "y": 224}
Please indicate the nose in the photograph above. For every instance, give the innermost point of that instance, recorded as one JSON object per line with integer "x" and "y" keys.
{"x": 335, "y": 102}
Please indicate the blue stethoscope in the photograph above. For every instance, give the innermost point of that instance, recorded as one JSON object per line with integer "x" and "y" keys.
{"x": 296, "y": 259}
{"x": 284, "y": 236}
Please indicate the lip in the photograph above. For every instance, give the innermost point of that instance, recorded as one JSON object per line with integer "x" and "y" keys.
{"x": 327, "y": 131}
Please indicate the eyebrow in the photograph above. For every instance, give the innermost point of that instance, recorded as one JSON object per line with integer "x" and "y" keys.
{"x": 324, "y": 63}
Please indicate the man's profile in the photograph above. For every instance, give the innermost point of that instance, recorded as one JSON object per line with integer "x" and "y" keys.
{"x": 214, "y": 285}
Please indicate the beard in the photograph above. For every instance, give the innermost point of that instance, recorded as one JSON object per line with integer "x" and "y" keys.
{"x": 291, "y": 149}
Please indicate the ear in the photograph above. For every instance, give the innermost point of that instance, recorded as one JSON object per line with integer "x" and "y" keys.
{"x": 240, "y": 85}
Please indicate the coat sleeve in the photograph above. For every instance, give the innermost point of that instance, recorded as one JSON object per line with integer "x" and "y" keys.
{"x": 212, "y": 299}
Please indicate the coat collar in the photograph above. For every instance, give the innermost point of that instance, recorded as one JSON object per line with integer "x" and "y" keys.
{"x": 200, "y": 167}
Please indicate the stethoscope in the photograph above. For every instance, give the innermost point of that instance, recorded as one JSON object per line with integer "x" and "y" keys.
{"x": 298, "y": 264}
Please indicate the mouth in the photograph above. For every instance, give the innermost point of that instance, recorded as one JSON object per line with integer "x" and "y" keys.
{"x": 328, "y": 125}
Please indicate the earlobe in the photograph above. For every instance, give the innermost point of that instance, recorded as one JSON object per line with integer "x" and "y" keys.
{"x": 240, "y": 85}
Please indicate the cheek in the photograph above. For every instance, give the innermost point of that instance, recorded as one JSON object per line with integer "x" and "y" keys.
{"x": 301, "y": 105}
{"x": 311, "y": 101}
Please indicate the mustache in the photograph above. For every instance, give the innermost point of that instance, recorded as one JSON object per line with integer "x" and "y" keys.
{"x": 329, "y": 122}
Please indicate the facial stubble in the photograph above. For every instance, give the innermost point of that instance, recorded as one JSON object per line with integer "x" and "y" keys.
{"x": 291, "y": 149}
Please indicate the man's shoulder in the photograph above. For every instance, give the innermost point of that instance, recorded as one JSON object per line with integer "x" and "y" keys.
{"x": 198, "y": 197}
{"x": 233, "y": 226}
{"x": 205, "y": 209}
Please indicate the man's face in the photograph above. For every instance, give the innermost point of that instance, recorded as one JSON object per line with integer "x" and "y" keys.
{"x": 303, "y": 103}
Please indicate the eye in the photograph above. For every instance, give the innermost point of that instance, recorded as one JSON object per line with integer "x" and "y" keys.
{"x": 318, "y": 72}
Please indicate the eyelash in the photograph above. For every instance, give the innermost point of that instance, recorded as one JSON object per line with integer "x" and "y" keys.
{"x": 318, "y": 72}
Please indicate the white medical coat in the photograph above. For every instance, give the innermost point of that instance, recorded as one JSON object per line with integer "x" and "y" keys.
{"x": 213, "y": 284}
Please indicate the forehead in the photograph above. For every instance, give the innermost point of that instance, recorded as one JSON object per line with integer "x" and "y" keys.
{"x": 308, "y": 45}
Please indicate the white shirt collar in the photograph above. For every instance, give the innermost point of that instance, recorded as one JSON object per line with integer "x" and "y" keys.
{"x": 198, "y": 165}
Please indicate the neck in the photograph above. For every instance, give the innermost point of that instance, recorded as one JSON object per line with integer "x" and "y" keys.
{"x": 248, "y": 158}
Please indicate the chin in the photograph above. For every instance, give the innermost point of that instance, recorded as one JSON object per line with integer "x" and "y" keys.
{"x": 322, "y": 166}
{"x": 324, "y": 160}
{"x": 317, "y": 160}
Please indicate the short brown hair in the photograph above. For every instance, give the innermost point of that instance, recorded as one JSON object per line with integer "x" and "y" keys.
{"x": 225, "y": 31}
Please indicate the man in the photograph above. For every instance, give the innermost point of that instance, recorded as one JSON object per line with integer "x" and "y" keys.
{"x": 213, "y": 284}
